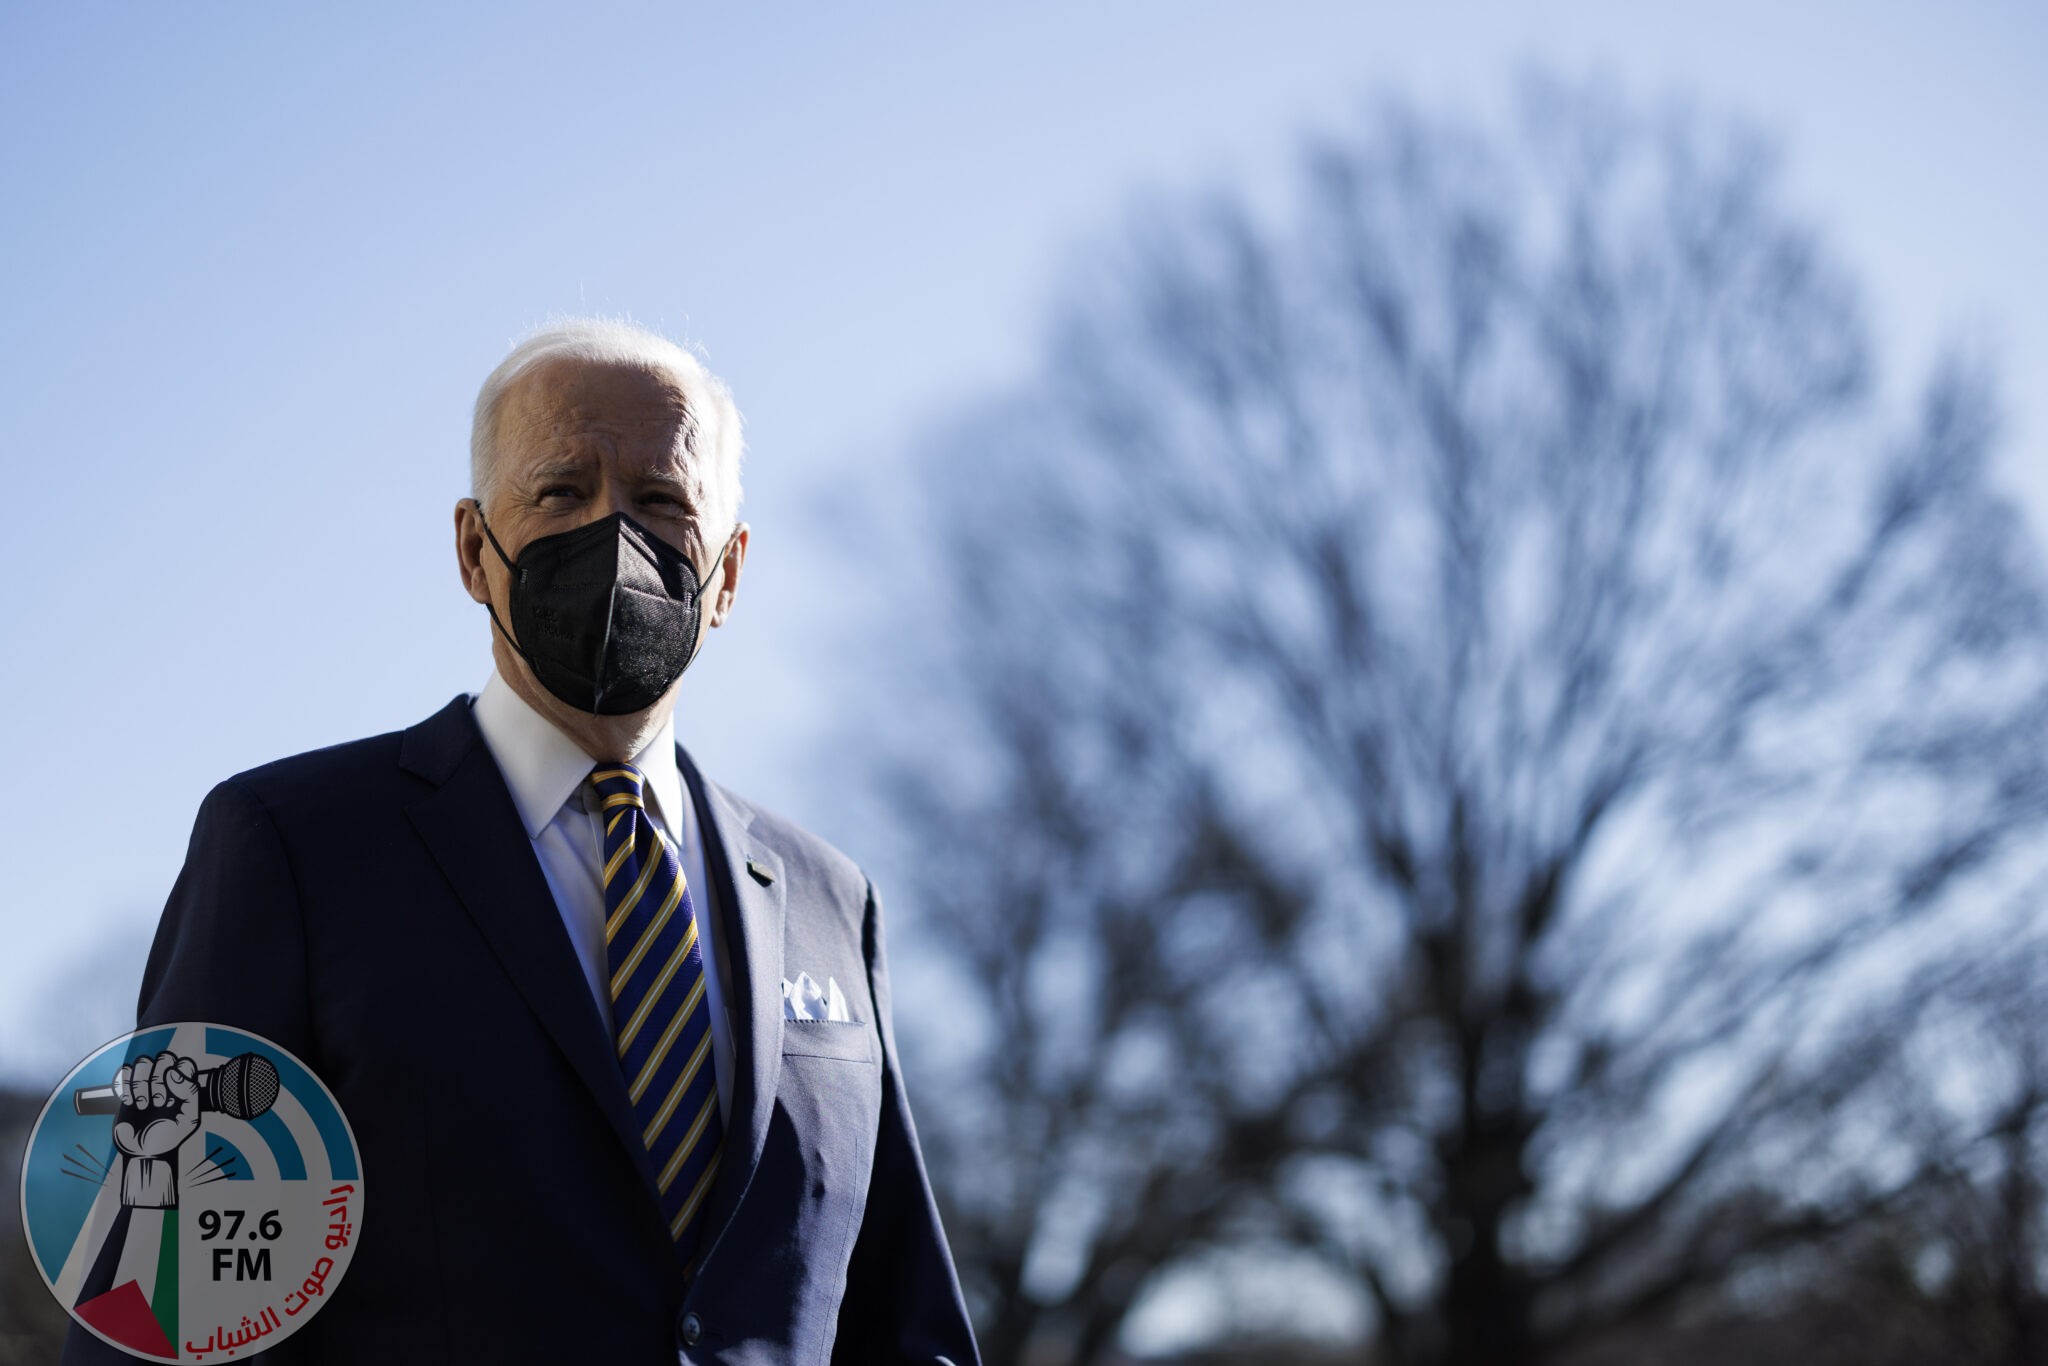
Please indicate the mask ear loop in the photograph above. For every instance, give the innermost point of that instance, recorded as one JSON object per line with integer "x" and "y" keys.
{"x": 512, "y": 565}
{"x": 698, "y": 645}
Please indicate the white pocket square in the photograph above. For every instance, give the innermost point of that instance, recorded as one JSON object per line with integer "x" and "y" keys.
{"x": 803, "y": 999}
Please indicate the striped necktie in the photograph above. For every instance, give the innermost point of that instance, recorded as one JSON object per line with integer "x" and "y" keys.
{"x": 661, "y": 1022}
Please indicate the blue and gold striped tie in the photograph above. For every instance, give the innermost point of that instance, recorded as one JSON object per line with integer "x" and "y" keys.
{"x": 661, "y": 1022}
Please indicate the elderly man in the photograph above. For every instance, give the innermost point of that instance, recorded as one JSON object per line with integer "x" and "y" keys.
{"x": 615, "y": 1043}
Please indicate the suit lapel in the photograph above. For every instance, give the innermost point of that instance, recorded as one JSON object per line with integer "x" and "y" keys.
{"x": 472, "y": 828}
{"x": 752, "y": 924}
{"x": 473, "y": 831}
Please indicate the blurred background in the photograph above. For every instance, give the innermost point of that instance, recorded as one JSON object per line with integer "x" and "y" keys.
{"x": 1430, "y": 619}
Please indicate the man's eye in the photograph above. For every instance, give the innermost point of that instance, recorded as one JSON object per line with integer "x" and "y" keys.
{"x": 557, "y": 491}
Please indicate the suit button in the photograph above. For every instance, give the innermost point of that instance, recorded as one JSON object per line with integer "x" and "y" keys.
{"x": 693, "y": 1328}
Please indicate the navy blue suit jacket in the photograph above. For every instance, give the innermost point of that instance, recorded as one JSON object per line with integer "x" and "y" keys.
{"x": 377, "y": 909}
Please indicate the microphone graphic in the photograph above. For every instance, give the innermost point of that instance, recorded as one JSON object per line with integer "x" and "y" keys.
{"x": 243, "y": 1087}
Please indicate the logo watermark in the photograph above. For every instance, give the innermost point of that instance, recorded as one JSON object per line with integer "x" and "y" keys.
{"x": 191, "y": 1192}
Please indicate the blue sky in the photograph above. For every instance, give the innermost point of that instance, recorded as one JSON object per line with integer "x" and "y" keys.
{"x": 257, "y": 258}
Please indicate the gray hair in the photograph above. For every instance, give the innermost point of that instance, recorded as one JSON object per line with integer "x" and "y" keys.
{"x": 711, "y": 430}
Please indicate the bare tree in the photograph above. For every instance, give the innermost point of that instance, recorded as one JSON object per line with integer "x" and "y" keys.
{"x": 1469, "y": 726}
{"x": 32, "y": 1322}
{"x": 1968, "y": 1257}
{"x": 1955, "y": 1270}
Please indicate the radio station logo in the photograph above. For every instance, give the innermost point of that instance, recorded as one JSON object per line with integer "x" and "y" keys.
{"x": 191, "y": 1193}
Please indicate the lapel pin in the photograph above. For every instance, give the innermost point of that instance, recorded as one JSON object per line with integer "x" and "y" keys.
{"x": 763, "y": 874}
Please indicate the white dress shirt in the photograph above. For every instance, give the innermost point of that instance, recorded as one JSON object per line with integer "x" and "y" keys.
{"x": 547, "y": 772}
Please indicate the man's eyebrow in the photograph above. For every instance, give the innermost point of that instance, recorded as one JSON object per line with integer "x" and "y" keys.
{"x": 573, "y": 468}
{"x": 557, "y": 469}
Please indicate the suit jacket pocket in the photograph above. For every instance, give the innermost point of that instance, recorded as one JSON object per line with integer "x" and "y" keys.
{"x": 851, "y": 1040}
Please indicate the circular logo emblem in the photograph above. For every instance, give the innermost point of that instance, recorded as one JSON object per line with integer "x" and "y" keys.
{"x": 191, "y": 1193}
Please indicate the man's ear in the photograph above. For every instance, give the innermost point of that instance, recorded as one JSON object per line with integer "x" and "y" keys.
{"x": 728, "y": 584}
{"x": 469, "y": 549}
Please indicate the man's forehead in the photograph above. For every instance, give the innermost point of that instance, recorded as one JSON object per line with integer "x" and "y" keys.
{"x": 569, "y": 409}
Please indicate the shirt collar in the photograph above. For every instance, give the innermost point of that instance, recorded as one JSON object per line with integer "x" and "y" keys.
{"x": 544, "y": 768}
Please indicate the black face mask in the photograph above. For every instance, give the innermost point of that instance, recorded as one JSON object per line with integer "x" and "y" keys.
{"x": 606, "y": 614}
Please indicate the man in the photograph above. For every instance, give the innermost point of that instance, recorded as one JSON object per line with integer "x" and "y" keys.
{"x": 616, "y": 1044}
